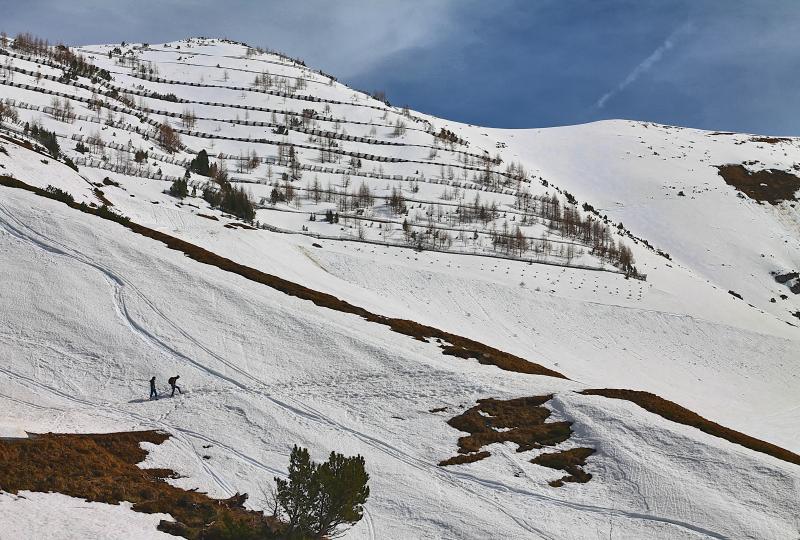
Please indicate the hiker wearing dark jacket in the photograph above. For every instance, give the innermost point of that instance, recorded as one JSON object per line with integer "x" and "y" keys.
{"x": 153, "y": 393}
{"x": 173, "y": 382}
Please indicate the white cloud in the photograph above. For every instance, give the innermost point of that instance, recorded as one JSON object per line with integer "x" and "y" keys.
{"x": 351, "y": 36}
{"x": 343, "y": 37}
{"x": 647, "y": 64}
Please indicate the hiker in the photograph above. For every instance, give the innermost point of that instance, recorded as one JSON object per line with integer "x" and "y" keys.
{"x": 173, "y": 382}
{"x": 153, "y": 393}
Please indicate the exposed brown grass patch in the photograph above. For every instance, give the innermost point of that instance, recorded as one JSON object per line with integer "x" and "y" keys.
{"x": 569, "y": 461}
{"x": 464, "y": 458}
{"x": 458, "y": 345}
{"x": 523, "y": 422}
{"x": 102, "y": 197}
{"x": 771, "y": 140}
{"x": 102, "y": 468}
{"x": 768, "y": 185}
{"x": 207, "y": 217}
{"x": 675, "y": 413}
{"x": 19, "y": 142}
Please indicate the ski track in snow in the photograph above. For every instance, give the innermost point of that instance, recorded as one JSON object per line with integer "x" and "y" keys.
{"x": 118, "y": 284}
{"x": 679, "y": 335}
{"x": 473, "y": 484}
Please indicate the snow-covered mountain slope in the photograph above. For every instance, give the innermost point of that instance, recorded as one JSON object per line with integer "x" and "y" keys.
{"x": 91, "y": 310}
{"x": 663, "y": 182}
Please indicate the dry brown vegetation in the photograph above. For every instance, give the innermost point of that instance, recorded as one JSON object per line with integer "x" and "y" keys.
{"x": 524, "y": 416}
{"x": 460, "y": 459}
{"x": 102, "y": 468}
{"x": 524, "y": 423}
{"x": 102, "y": 197}
{"x": 451, "y": 344}
{"x": 24, "y": 144}
{"x": 768, "y": 185}
{"x": 771, "y": 140}
{"x": 675, "y": 413}
{"x": 569, "y": 461}
{"x": 168, "y": 138}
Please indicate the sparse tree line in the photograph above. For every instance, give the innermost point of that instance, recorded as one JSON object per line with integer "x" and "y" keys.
{"x": 564, "y": 219}
{"x": 399, "y": 128}
{"x": 74, "y": 65}
{"x": 330, "y": 152}
{"x": 63, "y": 111}
{"x": 188, "y": 118}
{"x": 379, "y": 95}
{"x": 7, "y": 68}
{"x": 247, "y": 162}
{"x": 80, "y": 67}
{"x": 449, "y": 136}
{"x": 288, "y": 85}
{"x": 168, "y": 138}
{"x": 287, "y": 157}
{"x": 8, "y": 112}
{"x": 510, "y": 241}
{"x": 345, "y": 199}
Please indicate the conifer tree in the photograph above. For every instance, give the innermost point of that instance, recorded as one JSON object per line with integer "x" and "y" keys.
{"x": 199, "y": 164}
{"x": 179, "y": 188}
{"x": 318, "y": 500}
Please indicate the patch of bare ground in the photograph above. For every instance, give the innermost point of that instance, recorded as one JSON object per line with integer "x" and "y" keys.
{"x": 102, "y": 468}
{"x": 768, "y": 185}
{"x": 569, "y": 461}
{"x": 675, "y": 413}
{"x": 521, "y": 421}
{"x": 102, "y": 197}
{"x": 771, "y": 140}
{"x": 465, "y": 458}
{"x": 451, "y": 344}
{"x": 207, "y": 216}
{"x": 25, "y": 144}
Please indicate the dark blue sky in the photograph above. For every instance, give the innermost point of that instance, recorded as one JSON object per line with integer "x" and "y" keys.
{"x": 714, "y": 64}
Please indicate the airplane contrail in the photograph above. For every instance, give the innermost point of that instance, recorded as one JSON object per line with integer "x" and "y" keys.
{"x": 645, "y": 65}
